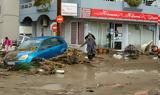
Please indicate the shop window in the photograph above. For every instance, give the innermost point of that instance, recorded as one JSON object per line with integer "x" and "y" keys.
{"x": 115, "y": 31}
{"x": 137, "y": 27}
{"x": 77, "y": 32}
{"x": 149, "y": 27}
{"x": 118, "y": 45}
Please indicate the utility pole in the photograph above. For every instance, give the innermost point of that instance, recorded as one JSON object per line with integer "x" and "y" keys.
{"x": 58, "y": 13}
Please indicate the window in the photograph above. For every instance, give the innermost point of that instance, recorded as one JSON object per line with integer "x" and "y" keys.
{"x": 55, "y": 42}
{"x": 50, "y": 43}
{"x": 77, "y": 32}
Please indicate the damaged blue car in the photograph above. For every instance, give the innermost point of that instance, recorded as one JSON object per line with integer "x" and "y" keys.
{"x": 36, "y": 48}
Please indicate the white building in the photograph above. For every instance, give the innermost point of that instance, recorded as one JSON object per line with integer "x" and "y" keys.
{"x": 9, "y": 19}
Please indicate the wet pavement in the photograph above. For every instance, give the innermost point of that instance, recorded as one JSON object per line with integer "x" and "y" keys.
{"x": 103, "y": 76}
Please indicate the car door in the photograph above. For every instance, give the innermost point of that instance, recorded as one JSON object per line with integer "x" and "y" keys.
{"x": 45, "y": 49}
{"x": 57, "y": 46}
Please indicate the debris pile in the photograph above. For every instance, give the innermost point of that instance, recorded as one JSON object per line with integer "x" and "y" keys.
{"x": 102, "y": 51}
{"x": 131, "y": 51}
{"x": 71, "y": 56}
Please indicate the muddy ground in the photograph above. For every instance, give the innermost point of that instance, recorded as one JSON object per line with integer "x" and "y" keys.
{"x": 103, "y": 76}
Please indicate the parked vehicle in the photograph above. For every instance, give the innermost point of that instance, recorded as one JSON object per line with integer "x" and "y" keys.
{"x": 37, "y": 48}
{"x": 22, "y": 38}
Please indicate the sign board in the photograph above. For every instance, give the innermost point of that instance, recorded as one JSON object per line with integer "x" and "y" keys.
{"x": 69, "y": 9}
{"x": 59, "y": 19}
{"x": 123, "y": 15}
{"x": 53, "y": 27}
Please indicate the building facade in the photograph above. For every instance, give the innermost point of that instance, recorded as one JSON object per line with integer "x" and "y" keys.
{"x": 9, "y": 19}
{"x": 114, "y": 23}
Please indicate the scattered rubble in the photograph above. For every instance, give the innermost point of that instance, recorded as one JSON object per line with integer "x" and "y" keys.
{"x": 117, "y": 85}
{"x": 117, "y": 56}
{"x": 144, "y": 92}
{"x": 131, "y": 51}
{"x": 50, "y": 66}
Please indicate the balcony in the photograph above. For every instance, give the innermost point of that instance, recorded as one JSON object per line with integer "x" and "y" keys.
{"x": 118, "y": 5}
{"x": 29, "y": 10}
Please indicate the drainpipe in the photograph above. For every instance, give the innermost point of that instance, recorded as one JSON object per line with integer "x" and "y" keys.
{"x": 58, "y": 13}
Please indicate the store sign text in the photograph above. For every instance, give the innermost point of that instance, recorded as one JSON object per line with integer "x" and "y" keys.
{"x": 69, "y": 9}
{"x": 124, "y": 15}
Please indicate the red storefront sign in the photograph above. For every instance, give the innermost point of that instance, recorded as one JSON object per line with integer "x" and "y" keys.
{"x": 124, "y": 15}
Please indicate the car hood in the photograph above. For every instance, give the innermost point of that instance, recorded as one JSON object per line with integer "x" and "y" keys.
{"x": 20, "y": 53}
{"x": 11, "y": 56}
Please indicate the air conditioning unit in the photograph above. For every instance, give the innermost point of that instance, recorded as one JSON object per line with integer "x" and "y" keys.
{"x": 44, "y": 22}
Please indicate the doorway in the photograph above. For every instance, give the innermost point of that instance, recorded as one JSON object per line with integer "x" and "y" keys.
{"x": 115, "y": 35}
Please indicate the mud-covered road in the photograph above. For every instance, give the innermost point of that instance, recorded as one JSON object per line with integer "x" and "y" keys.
{"x": 103, "y": 76}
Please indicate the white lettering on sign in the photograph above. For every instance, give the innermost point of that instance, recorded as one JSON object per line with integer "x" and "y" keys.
{"x": 69, "y": 9}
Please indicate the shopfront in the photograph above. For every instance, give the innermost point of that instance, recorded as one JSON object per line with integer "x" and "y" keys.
{"x": 118, "y": 29}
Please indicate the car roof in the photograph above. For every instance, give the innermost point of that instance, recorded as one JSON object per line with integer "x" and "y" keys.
{"x": 44, "y": 37}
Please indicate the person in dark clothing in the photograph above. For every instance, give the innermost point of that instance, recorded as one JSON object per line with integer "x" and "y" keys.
{"x": 109, "y": 36}
{"x": 89, "y": 34}
{"x": 91, "y": 46}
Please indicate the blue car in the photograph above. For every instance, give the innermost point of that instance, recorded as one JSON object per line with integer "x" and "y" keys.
{"x": 38, "y": 47}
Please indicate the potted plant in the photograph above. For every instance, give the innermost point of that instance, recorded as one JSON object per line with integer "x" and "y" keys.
{"x": 133, "y": 3}
{"x": 42, "y": 5}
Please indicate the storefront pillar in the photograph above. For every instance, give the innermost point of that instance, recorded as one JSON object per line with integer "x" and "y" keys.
{"x": 34, "y": 29}
{"x": 141, "y": 35}
{"x": 86, "y": 31}
{"x": 157, "y": 35}
{"x": 125, "y": 36}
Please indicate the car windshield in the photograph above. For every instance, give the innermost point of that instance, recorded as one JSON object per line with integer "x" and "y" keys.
{"x": 31, "y": 44}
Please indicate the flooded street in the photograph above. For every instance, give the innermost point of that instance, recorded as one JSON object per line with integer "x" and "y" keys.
{"x": 103, "y": 76}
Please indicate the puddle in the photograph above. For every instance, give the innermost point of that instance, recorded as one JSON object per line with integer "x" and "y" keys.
{"x": 136, "y": 71}
{"x": 51, "y": 87}
{"x": 102, "y": 74}
{"x": 59, "y": 75}
{"x": 130, "y": 71}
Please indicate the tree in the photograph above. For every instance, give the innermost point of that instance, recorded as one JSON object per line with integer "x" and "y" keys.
{"x": 42, "y": 3}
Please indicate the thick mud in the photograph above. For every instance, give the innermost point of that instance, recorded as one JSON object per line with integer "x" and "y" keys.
{"x": 103, "y": 76}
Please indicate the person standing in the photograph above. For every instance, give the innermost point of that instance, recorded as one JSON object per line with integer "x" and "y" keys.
{"x": 6, "y": 44}
{"x": 91, "y": 45}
